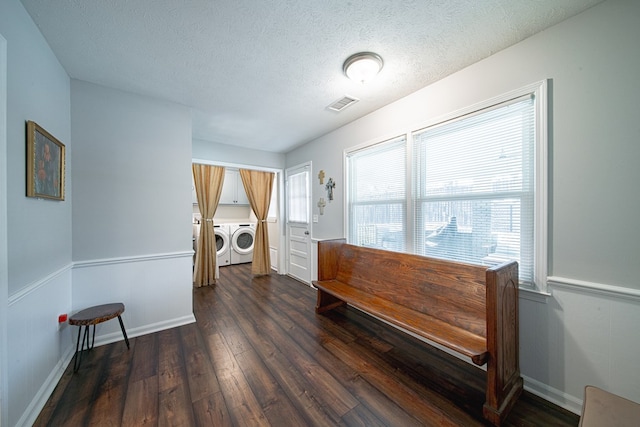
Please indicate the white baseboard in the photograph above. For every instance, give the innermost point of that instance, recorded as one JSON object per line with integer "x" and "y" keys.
{"x": 144, "y": 330}
{"x": 553, "y": 395}
{"x": 40, "y": 399}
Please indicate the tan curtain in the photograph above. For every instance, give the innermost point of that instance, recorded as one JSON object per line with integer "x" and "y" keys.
{"x": 258, "y": 187}
{"x": 208, "y": 181}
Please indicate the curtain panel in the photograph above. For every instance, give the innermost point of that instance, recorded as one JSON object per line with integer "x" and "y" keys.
{"x": 208, "y": 182}
{"x": 258, "y": 186}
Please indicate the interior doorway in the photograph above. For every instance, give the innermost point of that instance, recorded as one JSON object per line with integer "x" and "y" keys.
{"x": 238, "y": 212}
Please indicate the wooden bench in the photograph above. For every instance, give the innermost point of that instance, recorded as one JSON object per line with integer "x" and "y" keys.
{"x": 466, "y": 308}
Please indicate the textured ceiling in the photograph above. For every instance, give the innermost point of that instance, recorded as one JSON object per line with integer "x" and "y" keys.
{"x": 260, "y": 74}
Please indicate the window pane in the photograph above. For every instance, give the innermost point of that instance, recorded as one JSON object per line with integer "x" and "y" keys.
{"x": 298, "y": 205}
{"x": 377, "y": 196}
{"x": 476, "y": 231}
{"x": 474, "y": 187}
{"x": 379, "y": 226}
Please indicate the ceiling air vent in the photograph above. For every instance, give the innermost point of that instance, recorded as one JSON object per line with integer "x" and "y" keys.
{"x": 342, "y": 103}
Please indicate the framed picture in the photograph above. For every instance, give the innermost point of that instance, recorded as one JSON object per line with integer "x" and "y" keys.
{"x": 45, "y": 164}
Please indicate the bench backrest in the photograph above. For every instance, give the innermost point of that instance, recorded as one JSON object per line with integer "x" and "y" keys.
{"x": 451, "y": 291}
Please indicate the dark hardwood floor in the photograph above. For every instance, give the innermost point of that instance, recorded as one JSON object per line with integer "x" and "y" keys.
{"x": 259, "y": 355}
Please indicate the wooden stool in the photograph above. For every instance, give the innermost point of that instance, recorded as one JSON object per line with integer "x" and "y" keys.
{"x": 601, "y": 408}
{"x": 93, "y": 316}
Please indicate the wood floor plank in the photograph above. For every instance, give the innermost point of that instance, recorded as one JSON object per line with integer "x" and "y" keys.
{"x": 309, "y": 332}
{"x": 174, "y": 407}
{"x": 212, "y": 411}
{"x": 106, "y": 409}
{"x": 362, "y": 417}
{"x": 241, "y": 402}
{"x": 276, "y": 405}
{"x": 171, "y": 367}
{"x": 300, "y": 328}
{"x": 439, "y": 372}
{"x": 144, "y": 363}
{"x": 260, "y": 355}
{"x": 200, "y": 374}
{"x": 297, "y": 387}
{"x": 418, "y": 404}
{"x": 141, "y": 405}
{"x": 328, "y": 389}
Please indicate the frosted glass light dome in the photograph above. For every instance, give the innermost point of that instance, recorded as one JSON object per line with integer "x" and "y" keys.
{"x": 362, "y": 67}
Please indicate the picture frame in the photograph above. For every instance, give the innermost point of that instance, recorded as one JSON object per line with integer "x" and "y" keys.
{"x": 45, "y": 164}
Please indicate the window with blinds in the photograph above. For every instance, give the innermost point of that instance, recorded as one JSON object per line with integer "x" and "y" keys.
{"x": 377, "y": 196}
{"x": 471, "y": 187}
{"x": 298, "y": 204}
{"x": 474, "y": 187}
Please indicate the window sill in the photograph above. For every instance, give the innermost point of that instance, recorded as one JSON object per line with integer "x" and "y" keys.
{"x": 534, "y": 295}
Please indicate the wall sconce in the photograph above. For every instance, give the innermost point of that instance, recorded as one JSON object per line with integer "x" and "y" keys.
{"x": 362, "y": 67}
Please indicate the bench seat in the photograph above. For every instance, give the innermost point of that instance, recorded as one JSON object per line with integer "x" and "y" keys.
{"x": 450, "y": 336}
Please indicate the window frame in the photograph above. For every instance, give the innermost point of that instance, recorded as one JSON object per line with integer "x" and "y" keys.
{"x": 539, "y": 91}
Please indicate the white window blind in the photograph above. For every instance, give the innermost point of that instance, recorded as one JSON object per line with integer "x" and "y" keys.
{"x": 474, "y": 187}
{"x": 377, "y": 196}
{"x": 298, "y": 205}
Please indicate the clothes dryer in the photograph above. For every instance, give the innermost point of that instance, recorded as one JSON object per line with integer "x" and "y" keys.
{"x": 242, "y": 239}
{"x": 223, "y": 244}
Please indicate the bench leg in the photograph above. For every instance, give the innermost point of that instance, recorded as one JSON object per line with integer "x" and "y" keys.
{"x": 496, "y": 415}
{"x": 327, "y": 302}
{"x": 504, "y": 383}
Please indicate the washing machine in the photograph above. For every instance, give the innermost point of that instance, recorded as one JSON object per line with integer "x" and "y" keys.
{"x": 223, "y": 244}
{"x": 242, "y": 238}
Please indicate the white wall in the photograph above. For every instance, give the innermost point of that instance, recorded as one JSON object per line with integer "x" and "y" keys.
{"x": 4, "y": 277}
{"x": 132, "y": 212}
{"x": 38, "y": 240}
{"x": 593, "y": 63}
{"x": 222, "y": 153}
{"x": 132, "y": 179}
{"x": 38, "y": 90}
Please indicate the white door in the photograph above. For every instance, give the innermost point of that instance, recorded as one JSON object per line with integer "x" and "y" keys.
{"x": 298, "y": 222}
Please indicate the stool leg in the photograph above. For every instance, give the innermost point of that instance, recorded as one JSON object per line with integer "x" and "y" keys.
{"x": 76, "y": 361}
{"x": 78, "y": 358}
{"x": 85, "y": 337}
{"x": 93, "y": 341}
{"x": 124, "y": 333}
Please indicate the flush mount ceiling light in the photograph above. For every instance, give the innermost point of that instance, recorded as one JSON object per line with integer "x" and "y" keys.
{"x": 362, "y": 67}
